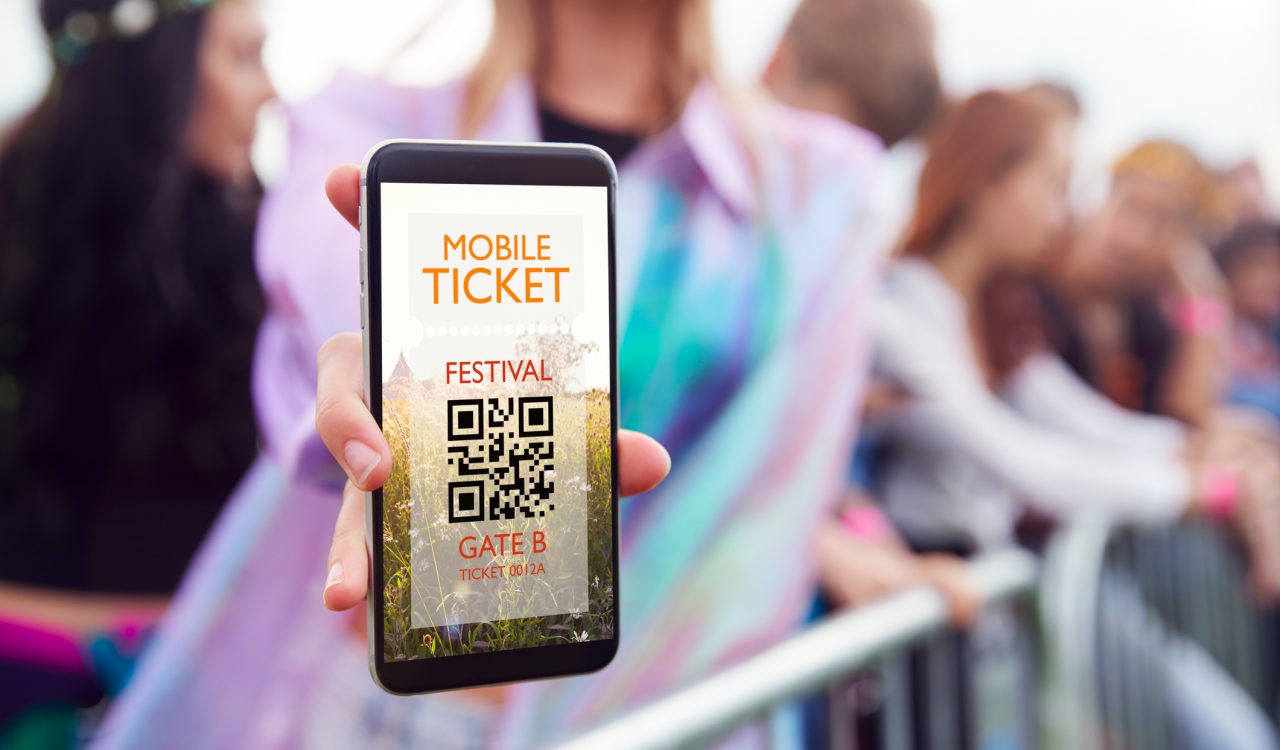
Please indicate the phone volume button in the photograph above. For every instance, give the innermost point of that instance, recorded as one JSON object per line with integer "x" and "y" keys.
{"x": 364, "y": 312}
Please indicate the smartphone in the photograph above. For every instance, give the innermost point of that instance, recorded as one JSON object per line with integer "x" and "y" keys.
{"x": 487, "y": 298}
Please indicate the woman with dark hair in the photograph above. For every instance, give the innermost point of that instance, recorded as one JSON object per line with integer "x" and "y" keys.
{"x": 128, "y": 310}
{"x": 1138, "y": 308}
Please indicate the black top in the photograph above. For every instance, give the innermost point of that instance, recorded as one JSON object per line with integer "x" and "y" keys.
{"x": 126, "y": 418}
{"x": 557, "y": 128}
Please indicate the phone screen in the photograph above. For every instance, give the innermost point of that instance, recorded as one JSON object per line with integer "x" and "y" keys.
{"x": 496, "y": 369}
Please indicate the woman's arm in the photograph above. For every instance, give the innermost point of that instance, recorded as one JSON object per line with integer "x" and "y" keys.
{"x": 1195, "y": 377}
{"x": 1057, "y": 472}
{"x": 343, "y": 420}
{"x": 1050, "y": 394}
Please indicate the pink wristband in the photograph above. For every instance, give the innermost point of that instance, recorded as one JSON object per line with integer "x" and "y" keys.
{"x": 865, "y": 522}
{"x": 1201, "y": 315}
{"x": 1220, "y": 487}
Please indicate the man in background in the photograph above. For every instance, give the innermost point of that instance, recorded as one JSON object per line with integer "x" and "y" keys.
{"x": 870, "y": 62}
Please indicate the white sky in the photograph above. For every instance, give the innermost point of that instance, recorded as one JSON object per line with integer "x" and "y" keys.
{"x": 1204, "y": 71}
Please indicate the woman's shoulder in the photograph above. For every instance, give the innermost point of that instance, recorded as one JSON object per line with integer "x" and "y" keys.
{"x": 362, "y": 104}
{"x": 822, "y": 143}
{"x": 914, "y": 282}
{"x": 916, "y": 302}
{"x": 817, "y": 168}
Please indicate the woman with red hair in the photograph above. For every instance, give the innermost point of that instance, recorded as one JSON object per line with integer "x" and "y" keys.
{"x": 994, "y": 420}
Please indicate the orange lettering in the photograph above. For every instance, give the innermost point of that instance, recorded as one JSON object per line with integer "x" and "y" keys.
{"x": 503, "y": 281}
{"x": 458, "y": 244}
{"x": 466, "y": 287}
{"x": 435, "y": 282}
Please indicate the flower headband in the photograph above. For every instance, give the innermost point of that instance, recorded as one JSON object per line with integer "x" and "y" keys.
{"x": 127, "y": 19}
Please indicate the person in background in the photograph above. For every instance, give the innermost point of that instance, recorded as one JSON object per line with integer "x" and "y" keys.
{"x": 871, "y": 63}
{"x": 994, "y": 419}
{"x": 738, "y": 263}
{"x": 128, "y": 310}
{"x": 1250, "y": 260}
{"x": 1138, "y": 306}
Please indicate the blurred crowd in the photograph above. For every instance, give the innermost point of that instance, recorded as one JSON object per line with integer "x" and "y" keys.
{"x": 875, "y": 403}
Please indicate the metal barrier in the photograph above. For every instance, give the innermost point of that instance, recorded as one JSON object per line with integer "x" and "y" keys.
{"x": 953, "y": 691}
{"x": 804, "y": 664}
{"x": 1150, "y": 640}
{"x": 1154, "y": 641}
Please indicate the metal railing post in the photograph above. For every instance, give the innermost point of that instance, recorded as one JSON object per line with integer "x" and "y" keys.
{"x": 1068, "y": 601}
{"x": 1140, "y": 621}
{"x": 804, "y": 663}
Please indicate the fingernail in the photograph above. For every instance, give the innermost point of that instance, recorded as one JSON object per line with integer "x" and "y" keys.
{"x": 361, "y": 459}
{"x": 335, "y": 576}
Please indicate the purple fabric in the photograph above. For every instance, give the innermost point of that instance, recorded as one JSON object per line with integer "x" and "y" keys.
{"x": 247, "y": 656}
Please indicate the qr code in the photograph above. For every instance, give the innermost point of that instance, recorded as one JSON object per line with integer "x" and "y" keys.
{"x": 506, "y": 443}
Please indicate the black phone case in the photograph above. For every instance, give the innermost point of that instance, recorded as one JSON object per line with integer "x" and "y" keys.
{"x": 476, "y": 163}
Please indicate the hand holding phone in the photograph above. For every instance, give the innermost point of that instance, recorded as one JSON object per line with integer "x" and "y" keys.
{"x": 352, "y": 435}
{"x": 342, "y": 416}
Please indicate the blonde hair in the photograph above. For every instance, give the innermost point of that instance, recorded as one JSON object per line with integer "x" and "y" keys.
{"x": 1177, "y": 165}
{"x": 686, "y": 56}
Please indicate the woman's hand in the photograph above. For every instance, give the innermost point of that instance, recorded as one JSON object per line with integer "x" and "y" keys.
{"x": 1257, "y": 519}
{"x": 1255, "y": 511}
{"x": 349, "y": 431}
{"x": 1245, "y": 423}
{"x": 856, "y": 571}
{"x": 1194, "y": 272}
